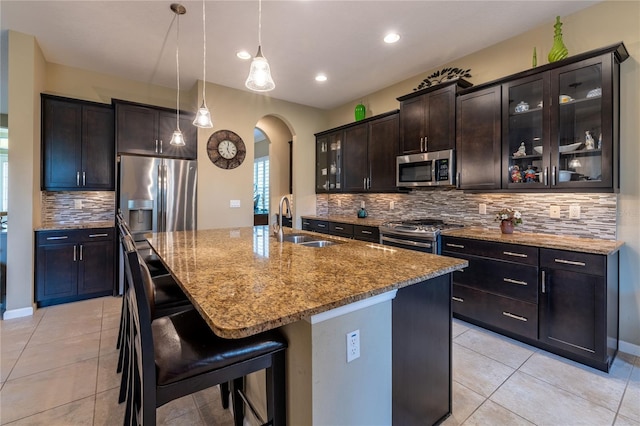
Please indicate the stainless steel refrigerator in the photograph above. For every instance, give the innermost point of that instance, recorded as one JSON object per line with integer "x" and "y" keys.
{"x": 157, "y": 194}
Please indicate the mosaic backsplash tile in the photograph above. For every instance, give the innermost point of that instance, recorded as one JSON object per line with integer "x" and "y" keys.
{"x": 597, "y": 211}
{"x": 60, "y": 208}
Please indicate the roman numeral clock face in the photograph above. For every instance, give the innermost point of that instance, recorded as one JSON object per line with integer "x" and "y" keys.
{"x": 226, "y": 149}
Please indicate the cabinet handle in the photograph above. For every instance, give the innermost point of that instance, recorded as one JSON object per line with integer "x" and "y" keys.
{"x": 510, "y": 253}
{"x": 97, "y": 235}
{"x": 322, "y": 225}
{"x": 518, "y": 317}
{"x": 421, "y": 144}
{"x": 339, "y": 228}
{"x": 77, "y": 178}
{"x": 455, "y": 245}
{"x": 156, "y": 146}
{"x": 84, "y": 178}
{"x": 458, "y": 180}
{"x": 553, "y": 176}
{"x": 544, "y": 282}
{"x": 457, "y": 299}
{"x": 305, "y": 223}
{"x": 57, "y": 238}
{"x": 570, "y": 262}
{"x": 546, "y": 176}
{"x": 75, "y": 253}
{"x": 368, "y": 183}
{"x": 364, "y": 183}
{"x": 512, "y": 281}
{"x": 366, "y": 232}
{"x": 81, "y": 251}
{"x": 160, "y": 146}
{"x": 426, "y": 141}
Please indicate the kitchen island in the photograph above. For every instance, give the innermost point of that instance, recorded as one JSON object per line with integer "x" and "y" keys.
{"x": 243, "y": 281}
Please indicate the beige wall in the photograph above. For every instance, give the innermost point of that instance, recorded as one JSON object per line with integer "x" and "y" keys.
{"x": 26, "y": 80}
{"x": 598, "y": 26}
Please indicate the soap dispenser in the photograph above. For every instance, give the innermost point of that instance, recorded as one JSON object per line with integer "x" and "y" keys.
{"x": 362, "y": 213}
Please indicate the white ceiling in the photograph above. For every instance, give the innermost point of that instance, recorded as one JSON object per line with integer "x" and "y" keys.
{"x": 300, "y": 38}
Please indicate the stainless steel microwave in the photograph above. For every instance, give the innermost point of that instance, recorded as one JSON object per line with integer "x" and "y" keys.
{"x": 426, "y": 169}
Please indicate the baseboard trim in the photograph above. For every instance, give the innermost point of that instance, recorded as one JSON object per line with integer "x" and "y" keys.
{"x": 17, "y": 313}
{"x": 629, "y": 348}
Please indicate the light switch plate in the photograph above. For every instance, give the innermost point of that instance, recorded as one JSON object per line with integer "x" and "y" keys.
{"x": 392, "y": 205}
{"x": 554, "y": 212}
{"x": 482, "y": 208}
{"x": 77, "y": 204}
{"x": 234, "y": 204}
{"x": 574, "y": 211}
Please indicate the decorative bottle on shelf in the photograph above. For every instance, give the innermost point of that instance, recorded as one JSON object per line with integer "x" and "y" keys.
{"x": 360, "y": 111}
{"x": 558, "y": 50}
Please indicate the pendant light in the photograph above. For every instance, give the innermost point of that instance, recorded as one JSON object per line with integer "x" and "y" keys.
{"x": 177, "y": 138}
{"x": 259, "y": 78}
{"x": 203, "y": 116}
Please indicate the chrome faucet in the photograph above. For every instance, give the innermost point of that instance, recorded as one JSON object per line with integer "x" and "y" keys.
{"x": 278, "y": 231}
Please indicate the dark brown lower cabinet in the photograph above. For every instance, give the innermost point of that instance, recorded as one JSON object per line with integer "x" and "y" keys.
{"x": 562, "y": 301}
{"x": 341, "y": 229}
{"x": 579, "y": 305}
{"x": 74, "y": 265}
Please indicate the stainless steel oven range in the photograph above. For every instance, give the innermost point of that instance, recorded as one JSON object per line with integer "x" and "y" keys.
{"x": 416, "y": 234}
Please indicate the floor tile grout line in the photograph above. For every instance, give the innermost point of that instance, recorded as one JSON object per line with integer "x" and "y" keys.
{"x": 22, "y": 350}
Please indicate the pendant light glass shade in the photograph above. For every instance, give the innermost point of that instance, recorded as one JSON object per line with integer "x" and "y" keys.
{"x": 177, "y": 138}
{"x": 203, "y": 116}
{"x": 259, "y": 79}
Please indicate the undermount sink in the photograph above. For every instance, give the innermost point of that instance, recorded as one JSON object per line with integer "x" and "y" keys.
{"x": 308, "y": 240}
{"x": 299, "y": 238}
{"x": 318, "y": 243}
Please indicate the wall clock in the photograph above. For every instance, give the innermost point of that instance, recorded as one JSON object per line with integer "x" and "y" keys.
{"x": 226, "y": 149}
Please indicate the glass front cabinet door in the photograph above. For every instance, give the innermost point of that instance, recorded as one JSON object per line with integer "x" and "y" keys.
{"x": 526, "y": 133}
{"x": 582, "y": 124}
{"x": 560, "y": 127}
{"x": 329, "y": 162}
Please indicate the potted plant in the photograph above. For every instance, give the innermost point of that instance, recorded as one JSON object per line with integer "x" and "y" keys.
{"x": 508, "y": 219}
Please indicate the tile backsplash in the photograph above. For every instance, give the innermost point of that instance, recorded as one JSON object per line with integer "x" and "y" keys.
{"x": 597, "y": 210}
{"x": 78, "y": 207}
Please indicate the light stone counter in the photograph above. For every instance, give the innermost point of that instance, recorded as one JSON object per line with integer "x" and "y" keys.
{"x": 560, "y": 242}
{"x": 47, "y": 226}
{"x": 243, "y": 281}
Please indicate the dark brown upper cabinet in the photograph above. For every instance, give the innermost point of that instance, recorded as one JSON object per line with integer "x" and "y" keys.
{"x": 147, "y": 130}
{"x": 428, "y": 118}
{"x": 478, "y": 139}
{"x": 358, "y": 157}
{"x": 78, "y": 151}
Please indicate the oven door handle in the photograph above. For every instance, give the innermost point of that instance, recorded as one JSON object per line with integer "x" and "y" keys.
{"x": 406, "y": 242}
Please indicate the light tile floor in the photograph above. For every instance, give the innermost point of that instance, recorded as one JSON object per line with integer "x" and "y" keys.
{"x": 58, "y": 368}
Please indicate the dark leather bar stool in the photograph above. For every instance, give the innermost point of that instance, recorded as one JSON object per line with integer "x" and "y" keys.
{"x": 178, "y": 355}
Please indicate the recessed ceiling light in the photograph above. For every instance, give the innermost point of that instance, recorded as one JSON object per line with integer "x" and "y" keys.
{"x": 391, "y": 38}
{"x": 243, "y": 54}
{"x": 321, "y": 77}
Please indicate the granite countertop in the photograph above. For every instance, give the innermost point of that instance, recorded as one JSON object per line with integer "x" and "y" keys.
{"x": 584, "y": 245}
{"x": 354, "y": 220}
{"x": 243, "y": 281}
{"x": 84, "y": 225}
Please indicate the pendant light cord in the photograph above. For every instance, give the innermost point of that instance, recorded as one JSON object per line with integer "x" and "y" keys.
{"x": 204, "y": 55}
{"x": 178, "y": 74}
{"x": 259, "y": 23}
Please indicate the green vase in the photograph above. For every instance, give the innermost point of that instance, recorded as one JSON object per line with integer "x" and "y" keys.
{"x": 558, "y": 50}
{"x": 360, "y": 112}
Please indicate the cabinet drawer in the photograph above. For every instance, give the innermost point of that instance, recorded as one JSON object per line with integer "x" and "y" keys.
{"x": 585, "y": 263}
{"x": 97, "y": 234}
{"x": 341, "y": 229}
{"x": 498, "y": 277}
{"x": 526, "y": 255}
{"x": 315, "y": 225}
{"x": 65, "y": 236}
{"x": 502, "y": 312}
{"x": 366, "y": 233}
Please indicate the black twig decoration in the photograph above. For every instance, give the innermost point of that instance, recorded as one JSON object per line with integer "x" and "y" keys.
{"x": 445, "y": 74}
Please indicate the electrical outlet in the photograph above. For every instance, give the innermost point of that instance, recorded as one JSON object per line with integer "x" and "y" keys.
{"x": 77, "y": 204}
{"x": 574, "y": 211}
{"x": 339, "y": 203}
{"x": 353, "y": 345}
{"x": 234, "y": 204}
{"x": 482, "y": 208}
{"x": 554, "y": 212}
{"x": 392, "y": 205}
